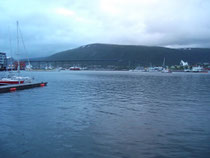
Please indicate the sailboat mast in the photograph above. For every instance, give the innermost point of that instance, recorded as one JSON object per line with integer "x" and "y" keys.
{"x": 10, "y": 49}
{"x": 18, "y": 66}
{"x": 164, "y": 60}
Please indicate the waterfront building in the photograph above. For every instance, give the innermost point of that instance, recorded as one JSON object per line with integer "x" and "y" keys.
{"x": 3, "y": 61}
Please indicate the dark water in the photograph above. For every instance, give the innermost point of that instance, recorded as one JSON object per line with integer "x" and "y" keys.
{"x": 108, "y": 115}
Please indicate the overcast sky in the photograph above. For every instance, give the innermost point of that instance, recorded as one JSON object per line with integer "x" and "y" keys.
{"x": 49, "y": 26}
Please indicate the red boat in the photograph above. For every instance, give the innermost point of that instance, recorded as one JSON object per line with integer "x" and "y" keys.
{"x": 15, "y": 80}
{"x": 11, "y": 82}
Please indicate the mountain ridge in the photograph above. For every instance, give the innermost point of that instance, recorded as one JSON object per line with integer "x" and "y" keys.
{"x": 138, "y": 54}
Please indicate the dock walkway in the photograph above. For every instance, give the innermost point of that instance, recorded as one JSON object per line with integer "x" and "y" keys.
{"x": 14, "y": 87}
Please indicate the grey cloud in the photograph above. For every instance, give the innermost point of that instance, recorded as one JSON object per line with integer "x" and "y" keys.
{"x": 50, "y": 26}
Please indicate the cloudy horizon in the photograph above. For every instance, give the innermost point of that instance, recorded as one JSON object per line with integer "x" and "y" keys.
{"x": 51, "y": 26}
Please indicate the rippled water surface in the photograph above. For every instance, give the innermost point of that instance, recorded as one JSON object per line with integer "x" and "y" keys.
{"x": 108, "y": 115}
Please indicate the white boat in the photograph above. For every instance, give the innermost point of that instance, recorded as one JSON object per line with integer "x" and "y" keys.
{"x": 153, "y": 69}
{"x": 48, "y": 67}
{"x": 75, "y": 68}
{"x": 166, "y": 70}
{"x": 199, "y": 69}
{"x": 29, "y": 67}
{"x": 187, "y": 70}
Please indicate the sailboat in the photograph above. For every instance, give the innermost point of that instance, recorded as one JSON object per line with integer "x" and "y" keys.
{"x": 12, "y": 78}
{"x": 165, "y": 69}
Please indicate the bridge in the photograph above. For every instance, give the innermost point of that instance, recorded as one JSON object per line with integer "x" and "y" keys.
{"x": 84, "y": 63}
{"x": 68, "y": 63}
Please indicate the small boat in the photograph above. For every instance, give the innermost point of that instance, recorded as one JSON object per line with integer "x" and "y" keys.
{"x": 75, "y": 68}
{"x": 199, "y": 69}
{"x": 8, "y": 81}
{"x": 15, "y": 80}
{"x": 165, "y": 68}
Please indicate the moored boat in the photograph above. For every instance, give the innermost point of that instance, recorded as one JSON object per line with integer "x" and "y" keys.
{"x": 7, "y": 81}
{"x": 166, "y": 70}
{"x": 199, "y": 69}
{"x": 16, "y": 78}
{"x": 75, "y": 68}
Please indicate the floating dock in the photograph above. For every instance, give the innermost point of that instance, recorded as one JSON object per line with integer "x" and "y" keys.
{"x": 14, "y": 87}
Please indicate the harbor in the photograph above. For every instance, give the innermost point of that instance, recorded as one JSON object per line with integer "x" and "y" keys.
{"x": 104, "y": 79}
{"x": 13, "y": 80}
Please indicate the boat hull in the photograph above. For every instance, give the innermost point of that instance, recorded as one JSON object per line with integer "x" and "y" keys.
{"x": 11, "y": 82}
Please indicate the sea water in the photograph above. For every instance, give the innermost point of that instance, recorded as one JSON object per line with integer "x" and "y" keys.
{"x": 108, "y": 114}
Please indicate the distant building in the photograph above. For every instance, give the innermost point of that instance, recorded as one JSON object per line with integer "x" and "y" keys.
{"x": 3, "y": 61}
{"x": 22, "y": 65}
{"x": 10, "y": 63}
{"x": 182, "y": 63}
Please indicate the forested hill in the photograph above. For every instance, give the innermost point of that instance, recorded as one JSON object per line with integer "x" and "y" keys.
{"x": 143, "y": 55}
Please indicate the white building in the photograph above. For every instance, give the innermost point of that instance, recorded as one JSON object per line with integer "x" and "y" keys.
{"x": 182, "y": 63}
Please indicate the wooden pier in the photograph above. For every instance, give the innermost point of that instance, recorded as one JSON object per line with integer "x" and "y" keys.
{"x": 14, "y": 87}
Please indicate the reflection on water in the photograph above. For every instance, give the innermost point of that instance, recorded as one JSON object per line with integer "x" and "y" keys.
{"x": 108, "y": 114}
